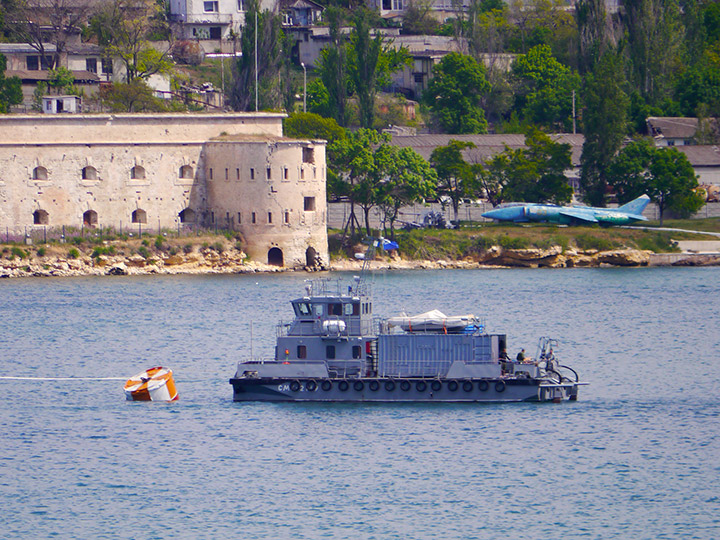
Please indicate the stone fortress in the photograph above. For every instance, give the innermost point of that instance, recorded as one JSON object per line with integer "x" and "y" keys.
{"x": 151, "y": 172}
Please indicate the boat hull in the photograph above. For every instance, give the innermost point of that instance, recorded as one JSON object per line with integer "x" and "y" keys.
{"x": 402, "y": 390}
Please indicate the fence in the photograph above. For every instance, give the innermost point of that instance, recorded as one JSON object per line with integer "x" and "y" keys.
{"x": 338, "y": 213}
{"x": 42, "y": 234}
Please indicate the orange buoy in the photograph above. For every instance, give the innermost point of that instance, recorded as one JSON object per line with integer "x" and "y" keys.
{"x": 154, "y": 384}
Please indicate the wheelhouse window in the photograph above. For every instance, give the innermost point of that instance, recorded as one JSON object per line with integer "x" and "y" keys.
{"x": 356, "y": 351}
{"x": 335, "y": 309}
{"x": 319, "y": 309}
{"x": 330, "y": 352}
{"x": 301, "y": 351}
{"x": 303, "y": 308}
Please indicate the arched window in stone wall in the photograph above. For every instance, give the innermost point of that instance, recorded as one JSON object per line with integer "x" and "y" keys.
{"x": 187, "y": 216}
{"x": 41, "y": 217}
{"x": 186, "y": 171}
{"x": 275, "y": 257}
{"x": 89, "y": 173}
{"x": 90, "y": 218}
{"x": 137, "y": 173}
{"x": 40, "y": 173}
{"x": 139, "y": 216}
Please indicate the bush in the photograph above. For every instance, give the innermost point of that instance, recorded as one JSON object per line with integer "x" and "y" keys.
{"x": 73, "y": 253}
{"x": 658, "y": 243}
{"x": 18, "y": 252}
{"x": 143, "y": 251}
{"x": 159, "y": 241}
{"x": 41, "y": 252}
{"x": 588, "y": 241}
{"x": 187, "y": 248}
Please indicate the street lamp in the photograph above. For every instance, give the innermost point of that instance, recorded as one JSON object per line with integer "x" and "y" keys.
{"x": 304, "y": 87}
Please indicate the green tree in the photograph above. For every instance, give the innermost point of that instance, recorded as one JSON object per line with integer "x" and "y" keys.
{"x": 62, "y": 80}
{"x": 596, "y": 33}
{"x": 10, "y": 89}
{"x": 604, "y": 125}
{"x": 418, "y": 18}
{"x": 332, "y": 67}
{"x": 318, "y": 99}
{"x": 135, "y": 96}
{"x": 403, "y": 177}
{"x": 544, "y": 89}
{"x": 665, "y": 174}
{"x": 301, "y": 125}
{"x": 655, "y": 41}
{"x": 124, "y": 28}
{"x": 455, "y": 92}
{"x": 352, "y": 162}
{"x": 370, "y": 64}
{"x": 454, "y": 174}
{"x": 269, "y": 36}
{"x": 42, "y": 22}
{"x": 532, "y": 174}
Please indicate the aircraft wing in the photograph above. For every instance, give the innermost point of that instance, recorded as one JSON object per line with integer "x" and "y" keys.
{"x": 575, "y": 213}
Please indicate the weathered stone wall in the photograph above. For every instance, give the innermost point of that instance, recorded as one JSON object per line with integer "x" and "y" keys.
{"x": 273, "y": 191}
{"x": 113, "y": 194}
{"x": 158, "y": 171}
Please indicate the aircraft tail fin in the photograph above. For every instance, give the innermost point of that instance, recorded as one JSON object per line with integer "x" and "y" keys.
{"x": 635, "y": 206}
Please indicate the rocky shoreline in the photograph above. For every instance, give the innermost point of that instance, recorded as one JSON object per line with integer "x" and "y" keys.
{"x": 232, "y": 262}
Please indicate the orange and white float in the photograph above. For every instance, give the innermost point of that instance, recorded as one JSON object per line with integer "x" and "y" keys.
{"x": 154, "y": 384}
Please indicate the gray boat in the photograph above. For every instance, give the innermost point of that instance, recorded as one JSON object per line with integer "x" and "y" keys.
{"x": 335, "y": 349}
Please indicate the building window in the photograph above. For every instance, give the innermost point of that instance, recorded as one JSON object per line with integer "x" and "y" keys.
{"x": 107, "y": 66}
{"x": 301, "y": 351}
{"x": 210, "y": 7}
{"x": 239, "y": 218}
{"x": 286, "y": 173}
{"x": 237, "y": 174}
{"x": 308, "y": 155}
{"x": 253, "y": 218}
{"x": 241, "y": 5}
{"x": 89, "y": 173}
{"x": 187, "y": 216}
{"x": 41, "y": 217}
{"x": 139, "y": 216}
{"x": 302, "y": 173}
{"x": 35, "y": 63}
{"x": 91, "y": 65}
{"x": 309, "y": 204}
{"x": 40, "y": 173}
{"x": 269, "y": 217}
{"x": 211, "y": 173}
{"x": 269, "y": 173}
{"x": 287, "y": 217}
{"x": 330, "y": 352}
{"x": 137, "y": 173}
{"x": 186, "y": 171}
{"x": 90, "y": 218}
{"x": 418, "y": 78}
{"x": 252, "y": 174}
{"x": 227, "y": 174}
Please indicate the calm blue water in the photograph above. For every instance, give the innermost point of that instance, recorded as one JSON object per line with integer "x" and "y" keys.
{"x": 637, "y": 457}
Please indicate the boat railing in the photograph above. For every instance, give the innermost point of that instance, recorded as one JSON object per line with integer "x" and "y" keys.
{"x": 325, "y": 287}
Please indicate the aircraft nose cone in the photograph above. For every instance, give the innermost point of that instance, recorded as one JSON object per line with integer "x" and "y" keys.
{"x": 504, "y": 213}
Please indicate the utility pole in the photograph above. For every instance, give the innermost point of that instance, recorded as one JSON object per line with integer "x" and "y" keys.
{"x": 304, "y": 87}
{"x": 256, "y": 61}
{"x": 573, "y": 112}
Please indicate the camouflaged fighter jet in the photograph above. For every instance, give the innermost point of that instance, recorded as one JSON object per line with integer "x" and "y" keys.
{"x": 570, "y": 215}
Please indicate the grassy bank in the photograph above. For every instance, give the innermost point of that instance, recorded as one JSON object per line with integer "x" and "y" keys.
{"x": 147, "y": 246}
{"x": 469, "y": 241}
